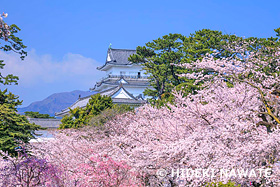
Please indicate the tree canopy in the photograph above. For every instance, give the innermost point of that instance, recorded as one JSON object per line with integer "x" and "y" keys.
{"x": 10, "y": 42}
{"x": 159, "y": 59}
{"x": 162, "y": 58}
{"x": 98, "y": 111}
{"x": 15, "y": 129}
{"x": 80, "y": 117}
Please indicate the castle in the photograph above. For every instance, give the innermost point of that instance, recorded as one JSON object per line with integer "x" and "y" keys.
{"x": 125, "y": 81}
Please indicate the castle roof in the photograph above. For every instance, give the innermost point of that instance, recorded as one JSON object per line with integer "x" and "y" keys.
{"x": 117, "y": 57}
{"x": 118, "y": 94}
{"x": 126, "y": 80}
{"x": 46, "y": 123}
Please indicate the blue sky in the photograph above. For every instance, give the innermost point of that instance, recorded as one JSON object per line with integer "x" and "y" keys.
{"x": 67, "y": 40}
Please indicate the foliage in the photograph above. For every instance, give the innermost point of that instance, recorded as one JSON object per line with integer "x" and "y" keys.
{"x": 207, "y": 41}
{"x": 159, "y": 58}
{"x": 162, "y": 57}
{"x": 277, "y": 31}
{"x": 69, "y": 121}
{"x": 196, "y": 46}
{"x": 109, "y": 114}
{"x": 11, "y": 43}
{"x": 220, "y": 184}
{"x": 14, "y": 128}
{"x": 222, "y": 46}
{"x": 36, "y": 115}
{"x": 98, "y": 103}
{"x": 10, "y": 99}
{"x": 80, "y": 117}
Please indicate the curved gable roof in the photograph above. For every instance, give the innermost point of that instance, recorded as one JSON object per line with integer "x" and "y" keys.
{"x": 118, "y": 57}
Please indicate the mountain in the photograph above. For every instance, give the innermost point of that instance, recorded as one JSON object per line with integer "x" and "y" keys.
{"x": 55, "y": 102}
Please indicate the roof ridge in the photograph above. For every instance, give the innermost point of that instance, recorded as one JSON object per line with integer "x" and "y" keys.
{"x": 79, "y": 99}
{"x": 82, "y": 98}
{"x": 120, "y": 86}
{"x": 123, "y": 49}
{"x": 109, "y": 89}
{"x": 121, "y": 78}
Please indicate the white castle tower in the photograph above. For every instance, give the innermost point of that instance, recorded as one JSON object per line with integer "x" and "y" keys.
{"x": 125, "y": 82}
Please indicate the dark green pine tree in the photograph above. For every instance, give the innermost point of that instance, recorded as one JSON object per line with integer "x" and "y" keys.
{"x": 197, "y": 45}
{"x": 15, "y": 129}
{"x": 159, "y": 58}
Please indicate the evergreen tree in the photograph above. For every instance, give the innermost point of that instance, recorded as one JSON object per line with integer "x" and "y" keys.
{"x": 159, "y": 59}
{"x": 14, "y": 128}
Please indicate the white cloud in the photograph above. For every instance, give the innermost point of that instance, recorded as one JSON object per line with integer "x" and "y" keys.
{"x": 38, "y": 70}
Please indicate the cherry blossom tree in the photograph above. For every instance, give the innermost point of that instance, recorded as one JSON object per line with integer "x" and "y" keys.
{"x": 26, "y": 170}
{"x": 260, "y": 70}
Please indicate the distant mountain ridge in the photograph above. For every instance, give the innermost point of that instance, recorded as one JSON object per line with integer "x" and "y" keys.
{"x": 55, "y": 102}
